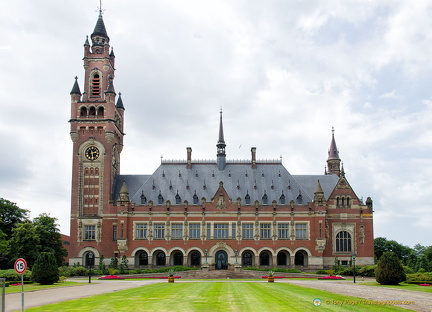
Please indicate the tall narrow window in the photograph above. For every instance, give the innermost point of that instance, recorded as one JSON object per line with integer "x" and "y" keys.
{"x": 283, "y": 232}
{"x": 114, "y": 232}
{"x": 233, "y": 232}
{"x": 95, "y": 85}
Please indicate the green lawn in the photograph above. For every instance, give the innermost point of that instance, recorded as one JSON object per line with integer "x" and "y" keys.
{"x": 32, "y": 287}
{"x": 216, "y": 296}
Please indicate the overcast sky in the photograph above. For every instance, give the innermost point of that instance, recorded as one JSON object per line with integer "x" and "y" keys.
{"x": 284, "y": 72}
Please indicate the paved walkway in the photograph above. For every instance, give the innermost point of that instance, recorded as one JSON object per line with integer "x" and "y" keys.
{"x": 422, "y": 301}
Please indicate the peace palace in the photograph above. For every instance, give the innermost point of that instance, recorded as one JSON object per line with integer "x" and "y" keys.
{"x": 219, "y": 215}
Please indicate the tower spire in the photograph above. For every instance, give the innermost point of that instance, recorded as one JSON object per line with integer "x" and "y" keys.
{"x": 221, "y": 156}
{"x": 333, "y": 160}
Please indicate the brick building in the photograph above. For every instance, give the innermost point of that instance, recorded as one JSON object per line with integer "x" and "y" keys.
{"x": 218, "y": 213}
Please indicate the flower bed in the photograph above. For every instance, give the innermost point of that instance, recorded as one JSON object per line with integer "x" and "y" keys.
{"x": 110, "y": 277}
{"x": 424, "y": 284}
{"x": 331, "y": 277}
{"x": 288, "y": 277}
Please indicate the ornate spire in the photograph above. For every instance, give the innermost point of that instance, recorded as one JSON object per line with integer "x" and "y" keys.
{"x": 99, "y": 31}
{"x": 120, "y": 102}
{"x": 76, "y": 88}
{"x": 221, "y": 156}
{"x": 333, "y": 151}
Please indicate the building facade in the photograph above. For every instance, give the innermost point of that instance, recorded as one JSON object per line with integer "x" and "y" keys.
{"x": 219, "y": 214}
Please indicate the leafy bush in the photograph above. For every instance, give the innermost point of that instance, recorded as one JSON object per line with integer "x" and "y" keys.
{"x": 274, "y": 269}
{"x": 419, "y": 277}
{"x": 11, "y": 275}
{"x": 389, "y": 270}
{"x": 45, "y": 270}
{"x": 321, "y": 272}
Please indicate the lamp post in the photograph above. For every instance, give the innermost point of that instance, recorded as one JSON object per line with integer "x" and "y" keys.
{"x": 236, "y": 255}
{"x": 90, "y": 262}
{"x": 354, "y": 270}
{"x": 206, "y": 253}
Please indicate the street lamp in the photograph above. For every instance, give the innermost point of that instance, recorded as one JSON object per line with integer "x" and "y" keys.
{"x": 90, "y": 263}
{"x": 354, "y": 260}
{"x": 236, "y": 255}
{"x": 206, "y": 253}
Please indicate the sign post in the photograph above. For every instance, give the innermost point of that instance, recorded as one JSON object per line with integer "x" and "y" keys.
{"x": 20, "y": 267}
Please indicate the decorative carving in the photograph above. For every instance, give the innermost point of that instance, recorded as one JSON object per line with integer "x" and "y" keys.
{"x": 74, "y": 136}
{"x": 122, "y": 245}
{"x": 320, "y": 244}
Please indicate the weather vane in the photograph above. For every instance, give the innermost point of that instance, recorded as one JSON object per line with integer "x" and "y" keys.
{"x": 100, "y": 7}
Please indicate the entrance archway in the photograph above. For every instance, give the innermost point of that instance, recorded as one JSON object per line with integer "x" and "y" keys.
{"x": 178, "y": 258}
{"x": 221, "y": 260}
{"x": 247, "y": 258}
{"x": 195, "y": 258}
{"x": 282, "y": 258}
{"x": 160, "y": 258}
{"x": 301, "y": 258}
{"x": 89, "y": 259}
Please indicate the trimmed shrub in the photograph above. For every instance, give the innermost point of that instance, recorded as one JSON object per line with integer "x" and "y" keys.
{"x": 389, "y": 270}
{"x": 45, "y": 270}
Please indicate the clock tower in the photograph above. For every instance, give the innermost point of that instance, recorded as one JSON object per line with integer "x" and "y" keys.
{"x": 97, "y": 134}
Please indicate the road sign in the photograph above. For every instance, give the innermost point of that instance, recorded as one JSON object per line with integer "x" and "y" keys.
{"x": 20, "y": 266}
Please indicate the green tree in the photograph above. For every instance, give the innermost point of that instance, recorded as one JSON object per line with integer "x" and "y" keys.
{"x": 389, "y": 270}
{"x": 24, "y": 243}
{"x": 102, "y": 266}
{"x": 124, "y": 265}
{"x": 45, "y": 270}
{"x": 10, "y": 216}
{"x": 50, "y": 237}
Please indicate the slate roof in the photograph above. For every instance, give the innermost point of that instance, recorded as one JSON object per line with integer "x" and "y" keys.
{"x": 100, "y": 29}
{"x": 239, "y": 179}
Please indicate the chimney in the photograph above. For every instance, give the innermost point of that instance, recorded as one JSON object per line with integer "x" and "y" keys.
{"x": 189, "y": 158}
{"x": 253, "y": 150}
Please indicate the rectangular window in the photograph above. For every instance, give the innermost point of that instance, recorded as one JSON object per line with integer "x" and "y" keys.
{"x": 159, "y": 231}
{"x": 283, "y": 230}
{"x": 194, "y": 230}
{"x": 233, "y": 231}
{"x": 265, "y": 230}
{"x": 220, "y": 230}
{"x": 247, "y": 231}
{"x": 89, "y": 232}
{"x": 208, "y": 230}
{"x": 177, "y": 231}
{"x": 140, "y": 230}
{"x": 301, "y": 231}
{"x": 114, "y": 232}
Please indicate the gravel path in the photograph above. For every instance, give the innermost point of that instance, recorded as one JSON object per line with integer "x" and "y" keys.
{"x": 419, "y": 301}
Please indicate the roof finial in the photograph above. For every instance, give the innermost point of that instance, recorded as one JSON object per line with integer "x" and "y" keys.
{"x": 100, "y": 7}
{"x": 332, "y": 130}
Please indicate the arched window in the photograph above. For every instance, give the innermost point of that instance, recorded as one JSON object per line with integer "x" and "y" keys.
{"x": 178, "y": 199}
{"x": 83, "y": 112}
{"x": 246, "y": 258}
{"x": 178, "y": 258}
{"x": 195, "y": 199}
{"x": 264, "y": 258}
{"x": 195, "y": 258}
{"x": 281, "y": 258}
{"x": 100, "y": 112}
{"x": 299, "y": 258}
{"x": 143, "y": 199}
{"x": 92, "y": 111}
{"x": 348, "y": 202}
{"x": 247, "y": 199}
{"x": 95, "y": 86}
{"x": 343, "y": 242}
{"x": 265, "y": 199}
{"x": 160, "y": 198}
{"x": 143, "y": 258}
{"x": 160, "y": 259}
{"x": 282, "y": 199}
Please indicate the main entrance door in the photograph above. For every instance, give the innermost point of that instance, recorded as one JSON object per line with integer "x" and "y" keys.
{"x": 221, "y": 260}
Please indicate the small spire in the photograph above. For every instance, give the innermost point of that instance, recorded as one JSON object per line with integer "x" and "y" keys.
{"x": 110, "y": 86}
{"x": 221, "y": 156}
{"x": 318, "y": 188}
{"x": 124, "y": 193}
{"x": 76, "y": 88}
{"x": 119, "y": 104}
{"x": 333, "y": 151}
{"x": 87, "y": 43}
{"x": 112, "y": 52}
{"x": 221, "y": 133}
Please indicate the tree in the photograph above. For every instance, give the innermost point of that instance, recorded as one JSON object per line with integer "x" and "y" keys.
{"x": 381, "y": 245}
{"x": 10, "y": 216}
{"x": 50, "y": 237}
{"x": 45, "y": 270}
{"x": 389, "y": 270}
{"x": 24, "y": 243}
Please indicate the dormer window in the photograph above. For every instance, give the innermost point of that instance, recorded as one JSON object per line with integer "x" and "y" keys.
{"x": 265, "y": 199}
{"x": 282, "y": 199}
{"x": 247, "y": 199}
{"x": 160, "y": 199}
{"x": 178, "y": 199}
{"x": 195, "y": 199}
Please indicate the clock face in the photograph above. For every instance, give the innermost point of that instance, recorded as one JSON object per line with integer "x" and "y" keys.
{"x": 92, "y": 153}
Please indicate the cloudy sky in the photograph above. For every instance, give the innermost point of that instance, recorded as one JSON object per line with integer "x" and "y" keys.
{"x": 284, "y": 72}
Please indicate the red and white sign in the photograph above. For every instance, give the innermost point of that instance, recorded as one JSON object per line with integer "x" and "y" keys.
{"x": 20, "y": 266}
